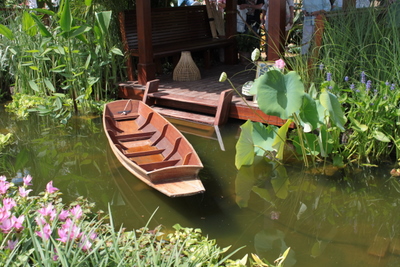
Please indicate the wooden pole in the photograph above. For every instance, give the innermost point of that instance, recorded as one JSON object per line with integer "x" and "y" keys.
{"x": 276, "y": 28}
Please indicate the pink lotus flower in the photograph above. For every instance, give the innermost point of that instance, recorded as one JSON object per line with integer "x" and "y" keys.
{"x": 3, "y": 178}
{"x": 23, "y": 192}
{"x": 27, "y": 180}
{"x": 280, "y": 64}
{"x": 45, "y": 232}
{"x": 50, "y": 188}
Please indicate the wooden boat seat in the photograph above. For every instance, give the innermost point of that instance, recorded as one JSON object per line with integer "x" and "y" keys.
{"x": 157, "y": 165}
{"x": 144, "y": 153}
{"x": 134, "y": 136}
{"x": 121, "y": 117}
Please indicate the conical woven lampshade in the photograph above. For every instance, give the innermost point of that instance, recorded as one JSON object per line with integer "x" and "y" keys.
{"x": 186, "y": 70}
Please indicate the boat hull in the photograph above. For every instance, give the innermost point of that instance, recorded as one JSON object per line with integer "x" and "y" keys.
{"x": 152, "y": 149}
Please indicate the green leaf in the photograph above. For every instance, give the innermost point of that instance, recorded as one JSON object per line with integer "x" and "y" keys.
{"x": 103, "y": 19}
{"x": 309, "y": 112}
{"x": 330, "y": 102}
{"x": 263, "y": 138}
{"x": 42, "y": 28}
{"x": 49, "y": 85}
{"x": 280, "y": 139}
{"x": 357, "y": 126}
{"x": 378, "y": 135}
{"x": 66, "y": 17}
{"x": 6, "y": 32}
{"x": 80, "y": 30}
{"x": 116, "y": 51}
{"x": 28, "y": 24}
{"x": 245, "y": 146}
{"x": 33, "y": 86}
{"x": 279, "y": 95}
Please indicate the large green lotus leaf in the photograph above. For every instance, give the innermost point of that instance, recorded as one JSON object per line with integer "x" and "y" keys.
{"x": 278, "y": 94}
{"x": 330, "y": 102}
{"x": 280, "y": 140}
{"x": 263, "y": 138}
{"x": 245, "y": 146}
{"x": 309, "y": 112}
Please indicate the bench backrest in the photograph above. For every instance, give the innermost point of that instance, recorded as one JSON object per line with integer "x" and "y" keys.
{"x": 169, "y": 25}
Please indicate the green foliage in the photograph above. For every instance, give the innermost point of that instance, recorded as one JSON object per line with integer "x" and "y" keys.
{"x": 71, "y": 53}
{"x": 283, "y": 95}
{"x": 41, "y": 230}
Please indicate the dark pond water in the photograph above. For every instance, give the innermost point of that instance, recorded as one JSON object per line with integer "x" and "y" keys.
{"x": 347, "y": 218}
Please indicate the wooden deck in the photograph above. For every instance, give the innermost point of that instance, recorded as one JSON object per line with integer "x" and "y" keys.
{"x": 209, "y": 87}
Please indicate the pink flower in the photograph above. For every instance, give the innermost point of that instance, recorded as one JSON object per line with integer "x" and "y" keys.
{"x": 23, "y": 192}
{"x": 85, "y": 244}
{"x": 4, "y": 185}
{"x": 45, "y": 232}
{"x": 40, "y": 220}
{"x": 48, "y": 212}
{"x": 50, "y": 188}
{"x": 3, "y": 178}
{"x": 4, "y": 213}
{"x": 76, "y": 212}
{"x": 18, "y": 222}
{"x": 280, "y": 64}
{"x": 69, "y": 231}
{"x": 9, "y": 203}
{"x": 63, "y": 215}
{"x": 63, "y": 234}
{"x": 11, "y": 244}
{"x": 7, "y": 225}
{"x": 27, "y": 180}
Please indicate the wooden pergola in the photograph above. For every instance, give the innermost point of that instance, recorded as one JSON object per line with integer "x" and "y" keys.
{"x": 146, "y": 66}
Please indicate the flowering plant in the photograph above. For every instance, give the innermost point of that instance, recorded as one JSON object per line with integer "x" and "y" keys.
{"x": 40, "y": 230}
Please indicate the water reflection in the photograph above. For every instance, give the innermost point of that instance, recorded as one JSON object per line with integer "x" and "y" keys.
{"x": 349, "y": 218}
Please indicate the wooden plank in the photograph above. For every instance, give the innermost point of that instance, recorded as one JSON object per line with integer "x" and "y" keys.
{"x": 144, "y": 153}
{"x": 186, "y": 99}
{"x": 185, "y": 115}
{"x": 224, "y": 104}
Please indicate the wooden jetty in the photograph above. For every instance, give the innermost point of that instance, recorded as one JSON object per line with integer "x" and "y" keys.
{"x": 206, "y": 91}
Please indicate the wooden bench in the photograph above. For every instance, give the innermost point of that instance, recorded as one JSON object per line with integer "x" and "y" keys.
{"x": 200, "y": 110}
{"x": 174, "y": 30}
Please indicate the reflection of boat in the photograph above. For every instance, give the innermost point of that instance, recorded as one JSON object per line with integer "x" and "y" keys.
{"x": 151, "y": 148}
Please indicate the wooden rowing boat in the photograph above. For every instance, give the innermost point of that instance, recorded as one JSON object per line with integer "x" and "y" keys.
{"x": 151, "y": 148}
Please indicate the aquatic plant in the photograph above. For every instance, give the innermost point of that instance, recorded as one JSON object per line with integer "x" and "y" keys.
{"x": 63, "y": 53}
{"x": 317, "y": 118}
{"x": 42, "y": 230}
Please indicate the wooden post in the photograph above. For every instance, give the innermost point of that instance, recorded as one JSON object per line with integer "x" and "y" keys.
{"x": 276, "y": 29}
{"x": 146, "y": 66}
{"x": 231, "y": 53}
